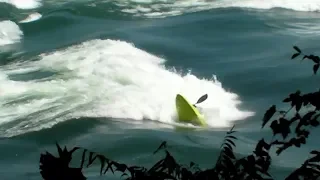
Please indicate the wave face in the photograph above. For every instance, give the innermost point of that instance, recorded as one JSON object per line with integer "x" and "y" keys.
{"x": 105, "y": 78}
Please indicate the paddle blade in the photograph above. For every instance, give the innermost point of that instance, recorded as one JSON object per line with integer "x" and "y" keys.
{"x": 202, "y": 98}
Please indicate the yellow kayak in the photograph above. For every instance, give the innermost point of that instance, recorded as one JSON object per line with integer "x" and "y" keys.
{"x": 187, "y": 113}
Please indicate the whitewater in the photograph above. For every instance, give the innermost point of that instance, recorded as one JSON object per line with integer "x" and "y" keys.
{"x": 105, "y": 78}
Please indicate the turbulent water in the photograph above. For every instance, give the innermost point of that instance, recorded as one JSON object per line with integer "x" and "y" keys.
{"x": 104, "y": 74}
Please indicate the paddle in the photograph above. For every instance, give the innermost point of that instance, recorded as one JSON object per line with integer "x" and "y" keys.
{"x": 201, "y": 99}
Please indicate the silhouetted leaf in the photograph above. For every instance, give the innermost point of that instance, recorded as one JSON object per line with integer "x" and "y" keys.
{"x": 251, "y": 160}
{"x": 109, "y": 166}
{"x": 314, "y": 123}
{"x": 298, "y": 105}
{"x": 287, "y": 99}
{"x": 275, "y": 127}
{"x": 297, "y": 116}
{"x": 316, "y": 59}
{"x": 302, "y": 133}
{"x": 229, "y": 165}
{"x": 295, "y": 142}
{"x": 268, "y": 115}
{"x": 279, "y": 150}
{"x": 59, "y": 149}
{"x": 120, "y": 167}
{"x": 297, "y": 49}
{"x": 157, "y": 165}
{"x": 308, "y": 115}
{"x": 91, "y": 159}
{"x": 229, "y": 141}
{"x": 231, "y": 130}
{"x": 83, "y": 158}
{"x": 231, "y": 137}
{"x": 284, "y": 125}
{"x": 72, "y": 150}
{"x": 262, "y": 144}
{"x": 295, "y": 55}
{"x": 315, "y": 68}
{"x": 315, "y": 152}
{"x": 302, "y": 140}
{"x": 229, "y": 153}
{"x": 228, "y": 145}
{"x": 305, "y": 120}
{"x": 102, "y": 163}
{"x": 162, "y": 145}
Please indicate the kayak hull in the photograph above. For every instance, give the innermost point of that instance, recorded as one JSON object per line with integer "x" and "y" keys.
{"x": 187, "y": 113}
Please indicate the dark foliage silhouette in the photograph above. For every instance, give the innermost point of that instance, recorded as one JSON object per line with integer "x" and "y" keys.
{"x": 53, "y": 168}
{"x": 288, "y": 131}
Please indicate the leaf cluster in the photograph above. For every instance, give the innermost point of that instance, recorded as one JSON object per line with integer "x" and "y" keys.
{"x": 310, "y": 57}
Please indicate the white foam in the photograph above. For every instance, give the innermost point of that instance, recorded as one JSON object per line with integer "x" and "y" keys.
{"x": 108, "y": 78}
{"x": 24, "y": 4}
{"x": 9, "y": 33}
{"x": 31, "y": 17}
{"x": 163, "y": 8}
{"x": 306, "y": 5}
